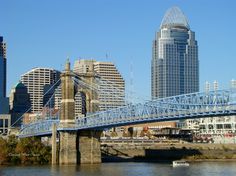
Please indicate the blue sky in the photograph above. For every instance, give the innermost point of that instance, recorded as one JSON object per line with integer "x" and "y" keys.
{"x": 43, "y": 33}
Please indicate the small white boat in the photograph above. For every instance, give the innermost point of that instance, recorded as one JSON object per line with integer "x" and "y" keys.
{"x": 178, "y": 163}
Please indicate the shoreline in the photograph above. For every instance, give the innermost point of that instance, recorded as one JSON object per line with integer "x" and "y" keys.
{"x": 106, "y": 160}
{"x": 168, "y": 152}
{"x": 120, "y": 161}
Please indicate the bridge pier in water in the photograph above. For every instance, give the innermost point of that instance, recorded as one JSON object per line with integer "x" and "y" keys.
{"x": 89, "y": 147}
{"x": 68, "y": 149}
{"x": 79, "y": 147}
{"x": 75, "y": 146}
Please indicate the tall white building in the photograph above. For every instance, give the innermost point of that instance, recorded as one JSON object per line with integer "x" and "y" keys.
{"x": 111, "y": 90}
{"x": 113, "y": 82}
{"x": 35, "y": 80}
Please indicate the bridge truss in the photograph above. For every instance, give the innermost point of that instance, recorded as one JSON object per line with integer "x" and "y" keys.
{"x": 187, "y": 106}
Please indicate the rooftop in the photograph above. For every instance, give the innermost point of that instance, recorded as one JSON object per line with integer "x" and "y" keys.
{"x": 174, "y": 17}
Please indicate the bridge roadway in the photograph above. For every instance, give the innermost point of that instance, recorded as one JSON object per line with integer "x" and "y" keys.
{"x": 188, "y": 106}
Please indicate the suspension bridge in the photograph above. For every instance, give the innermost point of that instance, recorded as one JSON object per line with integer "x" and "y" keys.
{"x": 82, "y": 133}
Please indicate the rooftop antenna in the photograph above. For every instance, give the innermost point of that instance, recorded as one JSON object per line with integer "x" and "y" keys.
{"x": 106, "y": 56}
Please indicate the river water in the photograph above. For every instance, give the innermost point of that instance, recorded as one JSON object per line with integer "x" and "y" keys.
{"x": 124, "y": 169}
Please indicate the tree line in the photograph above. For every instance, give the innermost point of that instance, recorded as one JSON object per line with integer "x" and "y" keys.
{"x": 24, "y": 151}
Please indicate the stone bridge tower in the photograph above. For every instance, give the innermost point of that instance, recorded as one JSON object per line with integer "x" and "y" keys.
{"x": 68, "y": 146}
{"x": 77, "y": 146}
{"x": 88, "y": 140}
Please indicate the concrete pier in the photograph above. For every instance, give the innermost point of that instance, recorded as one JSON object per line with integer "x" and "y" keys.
{"x": 68, "y": 150}
{"x": 89, "y": 147}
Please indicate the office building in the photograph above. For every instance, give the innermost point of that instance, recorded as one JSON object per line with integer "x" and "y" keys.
{"x": 175, "y": 65}
{"x": 37, "y": 81}
{"x": 19, "y": 103}
{"x": 3, "y": 68}
{"x": 111, "y": 89}
{"x": 113, "y": 83}
{"x": 5, "y": 118}
{"x": 4, "y": 102}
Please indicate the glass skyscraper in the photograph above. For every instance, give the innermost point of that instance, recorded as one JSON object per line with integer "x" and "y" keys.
{"x": 4, "y": 103}
{"x": 2, "y": 68}
{"x": 175, "y": 65}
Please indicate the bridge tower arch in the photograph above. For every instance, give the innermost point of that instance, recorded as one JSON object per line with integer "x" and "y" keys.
{"x": 68, "y": 138}
{"x": 77, "y": 146}
{"x": 89, "y": 140}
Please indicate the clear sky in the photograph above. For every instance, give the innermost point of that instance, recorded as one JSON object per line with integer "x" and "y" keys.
{"x": 42, "y": 33}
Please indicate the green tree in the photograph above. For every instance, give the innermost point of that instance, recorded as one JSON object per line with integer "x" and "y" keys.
{"x": 33, "y": 151}
{"x": 3, "y": 151}
{"x": 12, "y": 157}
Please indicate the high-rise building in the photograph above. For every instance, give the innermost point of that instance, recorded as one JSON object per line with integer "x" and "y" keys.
{"x": 175, "y": 65}
{"x": 112, "y": 82}
{"x": 4, "y": 102}
{"x": 3, "y": 68}
{"x": 37, "y": 81}
{"x": 19, "y": 103}
{"x": 5, "y": 118}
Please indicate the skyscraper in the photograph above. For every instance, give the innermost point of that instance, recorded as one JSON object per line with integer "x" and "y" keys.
{"x": 19, "y": 103}
{"x": 112, "y": 82}
{"x": 4, "y": 102}
{"x": 37, "y": 81}
{"x": 175, "y": 65}
{"x": 5, "y": 118}
{"x": 3, "y": 68}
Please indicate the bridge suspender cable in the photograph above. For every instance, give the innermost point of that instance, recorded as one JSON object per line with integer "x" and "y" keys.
{"x": 38, "y": 100}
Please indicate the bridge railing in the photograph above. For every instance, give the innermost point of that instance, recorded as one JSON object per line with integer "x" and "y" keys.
{"x": 195, "y": 105}
{"x": 183, "y": 106}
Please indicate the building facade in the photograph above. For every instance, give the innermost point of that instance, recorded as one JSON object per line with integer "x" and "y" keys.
{"x": 3, "y": 68}
{"x": 19, "y": 103}
{"x": 218, "y": 125}
{"x": 110, "y": 81}
{"x": 5, "y": 121}
{"x": 37, "y": 81}
{"x": 175, "y": 65}
{"x": 5, "y": 118}
{"x": 4, "y": 102}
{"x": 221, "y": 129}
{"x": 113, "y": 82}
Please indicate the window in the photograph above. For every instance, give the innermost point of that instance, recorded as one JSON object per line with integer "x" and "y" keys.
{"x": 219, "y": 126}
{"x": 227, "y": 126}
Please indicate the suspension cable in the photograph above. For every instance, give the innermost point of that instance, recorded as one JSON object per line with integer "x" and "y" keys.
{"x": 38, "y": 101}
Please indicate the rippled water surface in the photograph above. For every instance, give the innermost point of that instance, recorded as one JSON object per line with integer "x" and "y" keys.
{"x": 123, "y": 169}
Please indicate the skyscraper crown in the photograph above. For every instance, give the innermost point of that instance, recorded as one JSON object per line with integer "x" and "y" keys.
{"x": 174, "y": 17}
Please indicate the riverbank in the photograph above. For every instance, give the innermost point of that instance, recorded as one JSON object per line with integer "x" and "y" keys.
{"x": 167, "y": 152}
{"x": 26, "y": 151}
